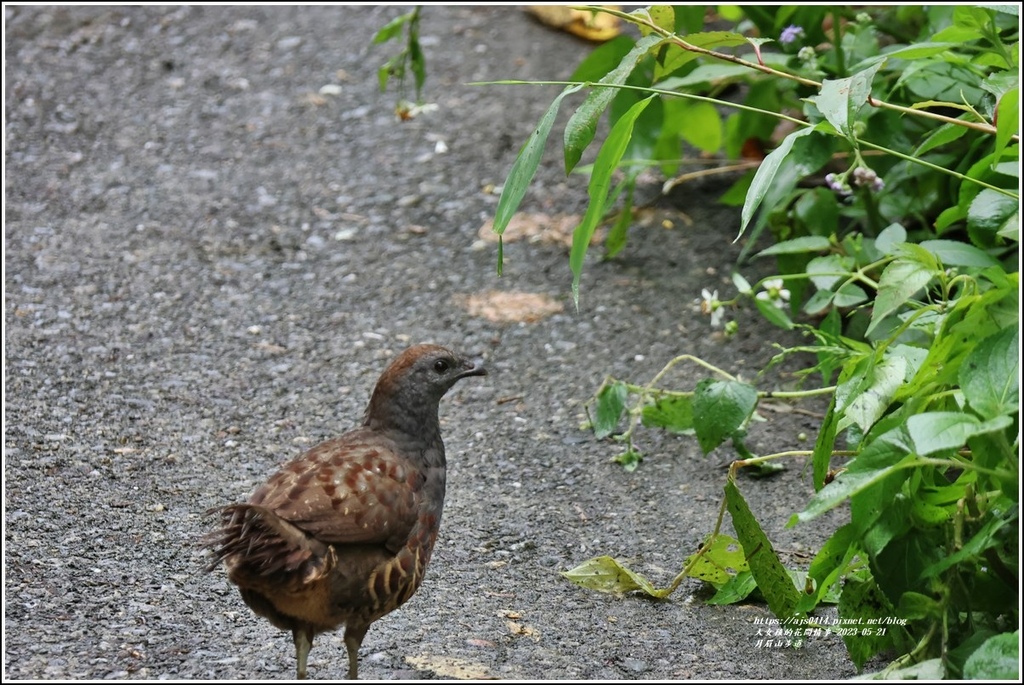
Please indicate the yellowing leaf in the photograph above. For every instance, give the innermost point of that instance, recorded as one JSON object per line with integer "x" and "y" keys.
{"x": 594, "y": 26}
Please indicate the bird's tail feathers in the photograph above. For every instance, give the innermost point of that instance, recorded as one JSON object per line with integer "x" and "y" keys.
{"x": 257, "y": 542}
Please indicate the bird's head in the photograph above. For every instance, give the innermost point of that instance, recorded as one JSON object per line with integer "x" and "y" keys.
{"x": 410, "y": 388}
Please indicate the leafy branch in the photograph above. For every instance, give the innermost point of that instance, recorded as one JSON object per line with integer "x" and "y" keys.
{"x": 638, "y": 17}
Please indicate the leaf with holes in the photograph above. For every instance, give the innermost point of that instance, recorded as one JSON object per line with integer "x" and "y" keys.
{"x": 772, "y": 578}
{"x": 721, "y": 410}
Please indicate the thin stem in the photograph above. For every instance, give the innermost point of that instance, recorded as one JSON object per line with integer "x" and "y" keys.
{"x": 795, "y": 394}
{"x": 642, "y": 89}
{"x": 689, "y": 176}
{"x": 695, "y": 360}
{"x": 791, "y": 453}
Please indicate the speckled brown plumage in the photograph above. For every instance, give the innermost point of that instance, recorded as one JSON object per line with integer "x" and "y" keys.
{"x": 342, "y": 535}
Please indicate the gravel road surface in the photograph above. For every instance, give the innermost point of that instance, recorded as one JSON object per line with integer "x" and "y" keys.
{"x": 210, "y": 258}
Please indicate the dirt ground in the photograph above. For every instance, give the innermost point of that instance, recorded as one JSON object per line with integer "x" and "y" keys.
{"x": 209, "y": 258}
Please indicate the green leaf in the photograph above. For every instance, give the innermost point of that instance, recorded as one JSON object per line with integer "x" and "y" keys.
{"x": 915, "y": 606}
{"x": 829, "y": 564}
{"x": 849, "y": 483}
{"x": 734, "y": 590}
{"x": 689, "y": 19}
{"x": 808, "y": 243}
{"x": 917, "y": 50}
{"x": 818, "y": 211}
{"x": 582, "y": 126}
{"x": 957, "y": 34}
{"x": 956, "y": 253}
{"x": 989, "y": 213}
{"x": 989, "y": 376}
{"x": 899, "y": 281}
{"x": 605, "y": 574}
{"x": 611, "y": 402}
{"x": 718, "y": 560}
{"x": 765, "y": 176}
{"x": 603, "y": 59}
{"x": 997, "y": 659}
{"x": 600, "y": 181}
{"x": 670, "y": 135}
{"x": 827, "y": 271}
{"x": 1011, "y": 169}
{"x": 616, "y": 239}
{"x": 706, "y": 74}
{"x": 774, "y": 314}
{"x": 676, "y": 57}
{"x": 849, "y": 295}
{"x": 943, "y": 135}
{"x": 863, "y": 602}
{"x": 936, "y": 431}
{"x": 984, "y": 539}
{"x": 392, "y": 29}
{"x": 943, "y": 81}
{"x": 981, "y": 170}
{"x": 872, "y": 393}
{"x": 1007, "y": 119}
{"x": 823, "y": 446}
{"x": 819, "y": 302}
{"x": 891, "y": 237}
{"x": 840, "y": 100}
{"x": 702, "y": 126}
{"x": 673, "y": 413}
{"x": 970, "y": 17}
{"x": 720, "y": 410}
{"x": 525, "y": 166}
{"x": 661, "y": 16}
{"x": 772, "y": 579}
{"x": 974, "y": 317}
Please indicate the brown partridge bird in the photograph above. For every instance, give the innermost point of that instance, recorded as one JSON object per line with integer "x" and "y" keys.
{"x": 342, "y": 535}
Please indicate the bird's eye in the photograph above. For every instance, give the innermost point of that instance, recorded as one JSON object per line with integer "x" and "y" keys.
{"x": 441, "y": 366}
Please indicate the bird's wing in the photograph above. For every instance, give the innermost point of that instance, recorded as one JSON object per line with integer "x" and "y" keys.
{"x": 351, "y": 490}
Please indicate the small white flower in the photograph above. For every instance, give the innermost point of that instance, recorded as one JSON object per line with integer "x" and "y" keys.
{"x": 807, "y": 54}
{"x": 775, "y": 292}
{"x": 406, "y": 110}
{"x": 709, "y": 304}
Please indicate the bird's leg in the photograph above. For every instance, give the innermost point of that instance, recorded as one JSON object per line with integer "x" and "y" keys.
{"x": 303, "y": 642}
{"x": 354, "y": 635}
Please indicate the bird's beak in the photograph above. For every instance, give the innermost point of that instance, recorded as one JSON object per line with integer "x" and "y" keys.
{"x": 472, "y": 369}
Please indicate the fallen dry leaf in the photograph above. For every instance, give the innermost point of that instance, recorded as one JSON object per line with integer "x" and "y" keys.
{"x": 449, "y": 667}
{"x": 504, "y": 307}
{"x": 538, "y": 227}
{"x": 595, "y": 26}
{"x": 522, "y": 629}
